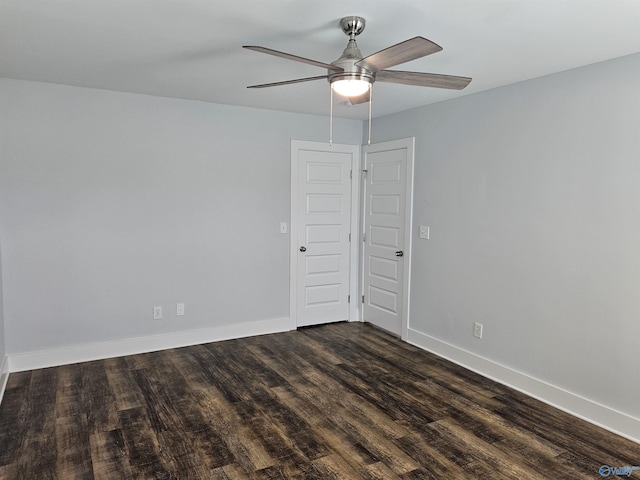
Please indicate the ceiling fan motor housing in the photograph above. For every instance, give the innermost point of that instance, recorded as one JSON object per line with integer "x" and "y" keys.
{"x": 351, "y": 26}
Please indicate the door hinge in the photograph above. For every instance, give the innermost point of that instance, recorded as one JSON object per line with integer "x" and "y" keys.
{"x": 364, "y": 172}
{"x": 362, "y": 298}
{"x": 349, "y": 237}
{"x": 364, "y": 237}
{"x": 348, "y": 298}
{"x": 350, "y": 173}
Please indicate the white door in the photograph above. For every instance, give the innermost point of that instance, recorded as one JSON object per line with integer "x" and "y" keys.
{"x": 321, "y": 248}
{"x": 387, "y": 241}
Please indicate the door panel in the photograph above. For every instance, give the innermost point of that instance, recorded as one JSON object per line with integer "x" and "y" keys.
{"x": 385, "y": 204}
{"x": 323, "y": 210}
{"x": 383, "y": 268}
{"x": 388, "y": 168}
{"x": 323, "y": 264}
{"x": 384, "y": 300}
{"x": 384, "y": 237}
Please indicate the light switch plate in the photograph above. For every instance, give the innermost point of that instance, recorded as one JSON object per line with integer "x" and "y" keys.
{"x": 424, "y": 232}
{"x": 283, "y": 227}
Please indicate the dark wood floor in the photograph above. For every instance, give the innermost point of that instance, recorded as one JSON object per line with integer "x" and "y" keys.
{"x": 339, "y": 401}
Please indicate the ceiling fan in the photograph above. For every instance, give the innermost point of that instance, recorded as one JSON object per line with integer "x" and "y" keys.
{"x": 352, "y": 75}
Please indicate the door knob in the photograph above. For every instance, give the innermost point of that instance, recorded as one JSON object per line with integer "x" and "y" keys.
{"x": 303, "y": 249}
{"x": 399, "y": 253}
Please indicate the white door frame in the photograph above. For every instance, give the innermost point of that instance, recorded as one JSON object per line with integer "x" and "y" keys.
{"x": 354, "y": 305}
{"x": 409, "y": 144}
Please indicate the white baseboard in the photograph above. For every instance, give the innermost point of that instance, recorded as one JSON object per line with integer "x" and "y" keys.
{"x": 99, "y": 350}
{"x": 600, "y": 415}
{"x": 4, "y": 376}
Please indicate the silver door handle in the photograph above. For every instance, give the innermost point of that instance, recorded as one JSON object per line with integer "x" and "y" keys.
{"x": 399, "y": 253}
{"x": 303, "y": 248}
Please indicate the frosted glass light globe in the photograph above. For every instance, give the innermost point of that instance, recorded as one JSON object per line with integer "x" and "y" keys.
{"x": 350, "y": 88}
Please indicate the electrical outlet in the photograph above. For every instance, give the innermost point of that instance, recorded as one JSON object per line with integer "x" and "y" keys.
{"x": 424, "y": 232}
{"x": 157, "y": 313}
{"x": 477, "y": 330}
{"x": 179, "y": 309}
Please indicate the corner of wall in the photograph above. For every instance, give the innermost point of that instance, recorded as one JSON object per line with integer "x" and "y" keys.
{"x": 583, "y": 408}
{"x": 4, "y": 376}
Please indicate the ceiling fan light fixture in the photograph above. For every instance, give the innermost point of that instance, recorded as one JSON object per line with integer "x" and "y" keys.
{"x": 351, "y": 87}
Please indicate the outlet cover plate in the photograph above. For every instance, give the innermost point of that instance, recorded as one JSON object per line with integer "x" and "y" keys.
{"x": 477, "y": 330}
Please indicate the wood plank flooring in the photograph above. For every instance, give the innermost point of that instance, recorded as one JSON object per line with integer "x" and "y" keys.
{"x": 340, "y": 401}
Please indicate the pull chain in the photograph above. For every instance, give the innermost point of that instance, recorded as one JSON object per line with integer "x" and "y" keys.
{"x": 370, "y": 102}
{"x": 331, "y": 116}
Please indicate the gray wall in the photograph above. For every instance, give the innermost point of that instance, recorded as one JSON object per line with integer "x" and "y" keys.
{"x": 2, "y": 340}
{"x": 113, "y": 203}
{"x": 532, "y": 192}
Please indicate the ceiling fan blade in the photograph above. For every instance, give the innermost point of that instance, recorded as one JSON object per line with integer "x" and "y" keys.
{"x": 295, "y": 58}
{"x": 406, "y": 51}
{"x": 288, "y": 82}
{"x": 364, "y": 98}
{"x": 423, "y": 79}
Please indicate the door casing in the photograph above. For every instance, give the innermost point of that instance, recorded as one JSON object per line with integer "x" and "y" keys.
{"x": 406, "y": 209}
{"x": 296, "y": 146}
{"x": 357, "y": 219}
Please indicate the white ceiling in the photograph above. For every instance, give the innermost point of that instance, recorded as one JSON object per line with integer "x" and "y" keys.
{"x": 191, "y": 49}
